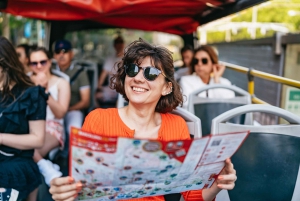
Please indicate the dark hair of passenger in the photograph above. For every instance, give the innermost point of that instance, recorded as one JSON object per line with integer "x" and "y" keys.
{"x": 26, "y": 49}
{"x": 210, "y": 51}
{"x": 40, "y": 49}
{"x": 12, "y": 69}
{"x": 161, "y": 59}
{"x": 186, "y": 48}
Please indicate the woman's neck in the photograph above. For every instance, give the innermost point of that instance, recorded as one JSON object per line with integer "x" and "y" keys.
{"x": 205, "y": 79}
{"x": 143, "y": 120}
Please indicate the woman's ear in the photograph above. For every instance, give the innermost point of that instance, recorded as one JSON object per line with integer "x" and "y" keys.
{"x": 168, "y": 89}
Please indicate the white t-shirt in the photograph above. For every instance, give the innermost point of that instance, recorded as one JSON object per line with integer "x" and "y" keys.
{"x": 191, "y": 83}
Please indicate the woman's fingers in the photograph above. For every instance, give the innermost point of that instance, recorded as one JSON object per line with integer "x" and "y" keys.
{"x": 70, "y": 195}
{"x": 227, "y": 178}
{"x": 62, "y": 181}
{"x": 226, "y": 186}
{"x": 229, "y": 167}
{"x": 64, "y": 188}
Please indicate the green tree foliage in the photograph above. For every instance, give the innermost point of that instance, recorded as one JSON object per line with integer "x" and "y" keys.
{"x": 275, "y": 11}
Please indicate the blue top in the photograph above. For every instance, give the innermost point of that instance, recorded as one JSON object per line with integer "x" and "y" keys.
{"x": 20, "y": 172}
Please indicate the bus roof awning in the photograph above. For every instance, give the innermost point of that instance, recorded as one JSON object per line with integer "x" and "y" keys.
{"x": 171, "y": 16}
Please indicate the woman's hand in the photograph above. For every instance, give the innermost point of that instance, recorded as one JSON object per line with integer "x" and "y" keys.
{"x": 226, "y": 179}
{"x": 218, "y": 70}
{"x": 64, "y": 189}
{"x": 40, "y": 79}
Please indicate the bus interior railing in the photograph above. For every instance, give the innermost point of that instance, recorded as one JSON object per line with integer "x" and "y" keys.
{"x": 252, "y": 73}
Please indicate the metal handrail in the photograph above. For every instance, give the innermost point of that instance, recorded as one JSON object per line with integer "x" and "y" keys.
{"x": 267, "y": 76}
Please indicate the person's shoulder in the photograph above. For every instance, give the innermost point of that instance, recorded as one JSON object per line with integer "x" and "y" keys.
{"x": 224, "y": 81}
{"x": 187, "y": 78}
{"x": 173, "y": 119}
{"x": 102, "y": 113}
{"x": 62, "y": 82}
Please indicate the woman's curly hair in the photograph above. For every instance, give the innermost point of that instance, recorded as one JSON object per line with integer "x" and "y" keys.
{"x": 162, "y": 59}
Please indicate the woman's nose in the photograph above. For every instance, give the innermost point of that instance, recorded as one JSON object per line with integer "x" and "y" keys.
{"x": 140, "y": 76}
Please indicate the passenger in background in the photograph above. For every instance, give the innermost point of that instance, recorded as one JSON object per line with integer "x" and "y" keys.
{"x": 58, "y": 90}
{"x": 105, "y": 96}
{"x": 22, "y": 126}
{"x": 205, "y": 71}
{"x": 80, "y": 85}
{"x": 23, "y": 54}
{"x": 187, "y": 53}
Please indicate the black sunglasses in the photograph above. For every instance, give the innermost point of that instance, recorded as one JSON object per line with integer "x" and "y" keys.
{"x": 58, "y": 51}
{"x": 36, "y": 63}
{"x": 203, "y": 61}
{"x": 150, "y": 73}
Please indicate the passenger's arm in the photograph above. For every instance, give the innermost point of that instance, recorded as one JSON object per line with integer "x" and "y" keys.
{"x": 35, "y": 138}
{"x": 60, "y": 106}
{"x": 84, "y": 99}
{"x": 102, "y": 77}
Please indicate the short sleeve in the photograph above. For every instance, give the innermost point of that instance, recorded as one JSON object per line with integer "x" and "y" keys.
{"x": 39, "y": 105}
{"x": 83, "y": 80}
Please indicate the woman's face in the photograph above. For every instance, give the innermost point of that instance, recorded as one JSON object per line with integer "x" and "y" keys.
{"x": 204, "y": 67}
{"x": 141, "y": 91}
{"x": 187, "y": 58}
{"x": 39, "y": 62}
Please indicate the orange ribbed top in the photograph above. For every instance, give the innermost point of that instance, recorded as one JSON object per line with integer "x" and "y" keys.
{"x": 107, "y": 122}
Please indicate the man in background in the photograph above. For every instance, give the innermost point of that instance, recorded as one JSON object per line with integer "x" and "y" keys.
{"x": 80, "y": 85}
{"x": 187, "y": 53}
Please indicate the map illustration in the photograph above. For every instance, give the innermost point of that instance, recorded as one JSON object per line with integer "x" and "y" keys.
{"x": 112, "y": 168}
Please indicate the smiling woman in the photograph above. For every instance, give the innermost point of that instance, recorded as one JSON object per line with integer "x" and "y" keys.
{"x": 145, "y": 77}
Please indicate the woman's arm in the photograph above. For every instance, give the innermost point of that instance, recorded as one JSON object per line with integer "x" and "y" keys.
{"x": 35, "y": 138}
{"x": 60, "y": 106}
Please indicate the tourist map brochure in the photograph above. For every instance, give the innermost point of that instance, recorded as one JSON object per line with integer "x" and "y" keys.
{"x": 114, "y": 168}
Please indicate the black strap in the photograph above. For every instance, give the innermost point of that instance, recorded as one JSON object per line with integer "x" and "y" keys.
{"x": 173, "y": 197}
{"x": 76, "y": 75}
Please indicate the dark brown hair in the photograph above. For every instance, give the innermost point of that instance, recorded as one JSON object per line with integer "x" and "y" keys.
{"x": 211, "y": 53}
{"x": 40, "y": 49}
{"x": 162, "y": 59}
{"x": 12, "y": 69}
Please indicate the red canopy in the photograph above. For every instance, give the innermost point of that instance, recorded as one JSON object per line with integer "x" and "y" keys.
{"x": 172, "y": 16}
